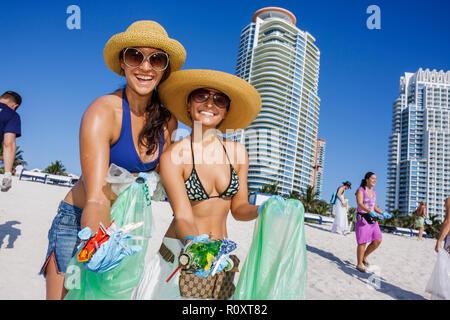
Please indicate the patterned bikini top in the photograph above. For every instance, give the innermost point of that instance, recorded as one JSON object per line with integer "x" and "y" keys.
{"x": 195, "y": 189}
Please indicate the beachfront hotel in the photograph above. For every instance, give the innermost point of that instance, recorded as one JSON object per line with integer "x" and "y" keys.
{"x": 282, "y": 63}
{"x": 419, "y": 147}
{"x": 318, "y": 167}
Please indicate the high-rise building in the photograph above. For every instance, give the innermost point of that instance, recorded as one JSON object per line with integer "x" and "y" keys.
{"x": 282, "y": 63}
{"x": 419, "y": 148}
{"x": 318, "y": 167}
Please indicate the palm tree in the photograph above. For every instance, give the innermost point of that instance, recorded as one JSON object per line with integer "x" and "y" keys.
{"x": 322, "y": 207}
{"x": 309, "y": 198}
{"x": 294, "y": 195}
{"x": 269, "y": 188}
{"x": 352, "y": 211}
{"x": 56, "y": 167}
{"x": 395, "y": 220}
{"x": 434, "y": 228}
{"x": 18, "y": 159}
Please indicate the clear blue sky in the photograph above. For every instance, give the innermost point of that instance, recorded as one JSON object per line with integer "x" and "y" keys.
{"x": 59, "y": 72}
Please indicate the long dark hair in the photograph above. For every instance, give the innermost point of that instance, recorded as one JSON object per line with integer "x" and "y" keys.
{"x": 364, "y": 182}
{"x": 157, "y": 118}
{"x": 156, "y": 115}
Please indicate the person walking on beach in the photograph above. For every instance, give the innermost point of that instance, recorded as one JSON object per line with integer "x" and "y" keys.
{"x": 10, "y": 129}
{"x": 129, "y": 128}
{"x": 367, "y": 229}
{"x": 420, "y": 217}
{"x": 340, "y": 209}
{"x": 443, "y": 240}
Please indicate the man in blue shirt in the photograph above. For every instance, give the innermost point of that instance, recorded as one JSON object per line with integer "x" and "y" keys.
{"x": 9, "y": 131}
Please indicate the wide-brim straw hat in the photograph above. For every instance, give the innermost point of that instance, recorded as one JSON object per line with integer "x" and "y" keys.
{"x": 143, "y": 33}
{"x": 245, "y": 101}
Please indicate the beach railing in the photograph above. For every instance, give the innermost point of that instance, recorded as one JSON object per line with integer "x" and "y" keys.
{"x": 57, "y": 179}
{"x": 33, "y": 175}
{"x": 317, "y": 218}
{"x": 45, "y": 178}
{"x": 407, "y": 231}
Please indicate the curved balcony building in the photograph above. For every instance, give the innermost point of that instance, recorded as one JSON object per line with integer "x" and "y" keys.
{"x": 282, "y": 63}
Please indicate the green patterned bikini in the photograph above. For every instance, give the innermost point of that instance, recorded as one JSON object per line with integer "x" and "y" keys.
{"x": 195, "y": 189}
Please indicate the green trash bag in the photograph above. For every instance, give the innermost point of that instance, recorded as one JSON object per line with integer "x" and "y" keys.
{"x": 133, "y": 205}
{"x": 275, "y": 268}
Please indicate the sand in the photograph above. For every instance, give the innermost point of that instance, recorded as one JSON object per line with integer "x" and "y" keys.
{"x": 401, "y": 266}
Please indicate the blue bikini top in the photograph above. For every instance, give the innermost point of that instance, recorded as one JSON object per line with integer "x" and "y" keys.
{"x": 123, "y": 153}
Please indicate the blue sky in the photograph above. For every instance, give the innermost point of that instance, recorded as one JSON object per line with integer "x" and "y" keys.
{"x": 59, "y": 72}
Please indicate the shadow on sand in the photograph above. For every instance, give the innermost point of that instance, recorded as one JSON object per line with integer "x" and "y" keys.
{"x": 7, "y": 229}
{"x": 376, "y": 282}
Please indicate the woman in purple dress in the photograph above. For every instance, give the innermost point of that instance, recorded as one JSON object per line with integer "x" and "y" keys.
{"x": 367, "y": 229}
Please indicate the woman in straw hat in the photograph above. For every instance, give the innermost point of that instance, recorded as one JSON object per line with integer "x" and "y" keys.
{"x": 205, "y": 176}
{"x": 128, "y": 128}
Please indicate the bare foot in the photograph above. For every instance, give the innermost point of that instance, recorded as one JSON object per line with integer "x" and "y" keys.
{"x": 361, "y": 269}
{"x": 366, "y": 263}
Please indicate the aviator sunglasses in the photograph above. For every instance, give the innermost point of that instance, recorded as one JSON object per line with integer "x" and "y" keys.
{"x": 133, "y": 58}
{"x": 202, "y": 95}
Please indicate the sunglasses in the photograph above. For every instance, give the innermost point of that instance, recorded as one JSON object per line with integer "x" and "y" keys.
{"x": 133, "y": 58}
{"x": 201, "y": 95}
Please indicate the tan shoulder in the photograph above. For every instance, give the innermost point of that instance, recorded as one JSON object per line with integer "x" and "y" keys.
{"x": 104, "y": 107}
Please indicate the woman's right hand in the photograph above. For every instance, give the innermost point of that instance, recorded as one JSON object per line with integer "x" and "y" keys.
{"x": 438, "y": 245}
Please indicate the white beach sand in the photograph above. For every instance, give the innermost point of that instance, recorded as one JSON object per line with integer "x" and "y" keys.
{"x": 404, "y": 264}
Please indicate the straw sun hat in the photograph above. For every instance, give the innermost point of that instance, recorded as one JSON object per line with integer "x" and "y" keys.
{"x": 245, "y": 100}
{"x": 143, "y": 33}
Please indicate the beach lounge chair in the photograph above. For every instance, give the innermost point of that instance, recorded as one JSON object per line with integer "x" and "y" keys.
{"x": 34, "y": 175}
{"x": 410, "y": 232}
{"x": 416, "y": 233}
{"x": 57, "y": 179}
{"x": 389, "y": 229}
{"x": 403, "y": 231}
{"x": 313, "y": 217}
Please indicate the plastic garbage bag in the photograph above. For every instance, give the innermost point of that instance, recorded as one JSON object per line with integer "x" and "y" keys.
{"x": 110, "y": 253}
{"x": 276, "y": 267}
{"x": 439, "y": 283}
{"x": 133, "y": 205}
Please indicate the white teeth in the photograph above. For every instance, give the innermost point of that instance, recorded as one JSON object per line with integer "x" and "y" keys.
{"x": 144, "y": 77}
{"x": 207, "y": 113}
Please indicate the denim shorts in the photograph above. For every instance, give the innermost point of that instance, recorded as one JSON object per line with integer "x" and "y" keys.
{"x": 63, "y": 236}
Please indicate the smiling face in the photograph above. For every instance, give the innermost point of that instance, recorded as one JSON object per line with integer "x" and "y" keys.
{"x": 371, "y": 181}
{"x": 208, "y": 106}
{"x": 143, "y": 79}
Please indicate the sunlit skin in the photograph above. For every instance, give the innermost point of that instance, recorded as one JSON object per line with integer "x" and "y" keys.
{"x": 421, "y": 212}
{"x": 445, "y": 228}
{"x": 361, "y": 252}
{"x": 100, "y": 128}
{"x": 339, "y": 193}
{"x": 207, "y": 216}
{"x": 9, "y": 140}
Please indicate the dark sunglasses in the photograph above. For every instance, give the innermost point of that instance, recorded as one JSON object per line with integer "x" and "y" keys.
{"x": 133, "y": 58}
{"x": 201, "y": 95}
